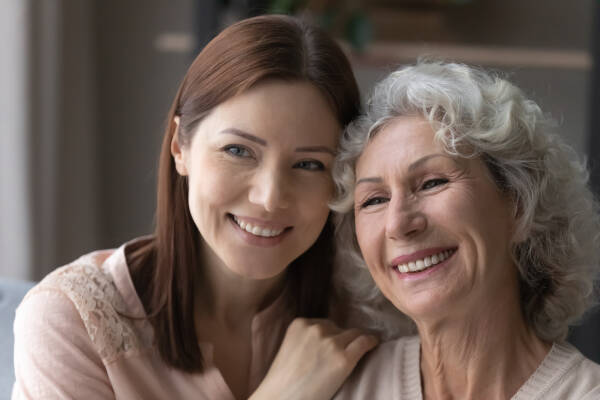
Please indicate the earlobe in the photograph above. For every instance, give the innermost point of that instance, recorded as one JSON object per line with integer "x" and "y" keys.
{"x": 177, "y": 150}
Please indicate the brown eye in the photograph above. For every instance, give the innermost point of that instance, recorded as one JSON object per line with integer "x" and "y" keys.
{"x": 373, "y": 202}
{"x": 430, "y": 184}
{"x": 310, "y": 165}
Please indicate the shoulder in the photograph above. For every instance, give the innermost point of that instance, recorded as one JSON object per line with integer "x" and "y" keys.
{"x": 84, "y": 293}
{"x": 567, "y": 359}
{"x": 392, "y": 353}
{"x": 581, "y": 377}
{"x": 83, "y": 275}
{"x": 83, "y": 282}
{"x": 565, "y": 373}
{"x": 388, "y": 371}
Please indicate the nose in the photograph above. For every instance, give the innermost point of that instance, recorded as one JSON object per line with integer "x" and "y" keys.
{"x": 269, "y": 189}
{"x": 404, "y": 220}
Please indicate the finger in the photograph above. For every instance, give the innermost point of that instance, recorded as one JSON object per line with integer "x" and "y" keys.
{"x": 323, "y": 322}
{"x": 325, "y": 327}
{"x": 345, "y": 337}
{"x": 359, "y": 346}
{"x": 301, "y": 324}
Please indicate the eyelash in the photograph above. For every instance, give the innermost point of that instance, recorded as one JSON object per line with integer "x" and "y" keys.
{"x": 431, "y": 183}
{"x": 373, "y": 201}
{"x": 239, "y": 149}
{"x": 313, "y": 165}
{"x": 427, "y": 185}
{"x": 236, "y": 150}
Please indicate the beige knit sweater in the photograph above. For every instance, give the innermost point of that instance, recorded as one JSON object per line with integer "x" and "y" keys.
{"x": 392, "y": 372}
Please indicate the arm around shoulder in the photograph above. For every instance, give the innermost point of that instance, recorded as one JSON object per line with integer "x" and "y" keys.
{"x": 54, "y": 356}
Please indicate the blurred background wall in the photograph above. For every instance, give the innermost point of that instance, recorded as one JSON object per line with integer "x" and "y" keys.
{"x": 86, "y": 85}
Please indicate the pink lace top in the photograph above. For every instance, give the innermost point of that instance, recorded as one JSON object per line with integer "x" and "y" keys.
{"x": 73, "y": 342}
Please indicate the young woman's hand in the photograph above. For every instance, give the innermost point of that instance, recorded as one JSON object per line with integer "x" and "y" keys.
{"x": 313, "y": 361}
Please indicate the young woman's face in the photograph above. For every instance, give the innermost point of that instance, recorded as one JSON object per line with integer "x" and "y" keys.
{"x": 259, "y": 176}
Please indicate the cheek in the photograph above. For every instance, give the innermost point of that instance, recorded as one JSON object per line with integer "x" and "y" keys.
{"x": 209, "y": 189}
{"x": 372, "y": 249}
{"x": 366, "y": 238}
{"x": 484, "y": 214}
{"x": 483, "y": 225}
{"x": 313, "y": 197}
{"x": 318, "y": 189}
{"x": 313, "y": 214}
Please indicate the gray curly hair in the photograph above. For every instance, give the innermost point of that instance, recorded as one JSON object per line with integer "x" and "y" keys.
{"x": 476, "y": 114}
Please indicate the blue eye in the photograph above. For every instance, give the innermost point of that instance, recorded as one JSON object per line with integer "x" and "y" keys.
{"x": 430, "y": 184}
{"x": 237, "y": 151}
{"x": 310, "y": 165}
{"x": 373, "y": 202}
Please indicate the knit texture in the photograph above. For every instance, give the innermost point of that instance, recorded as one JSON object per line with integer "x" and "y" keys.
{"x": 392, "y": 372}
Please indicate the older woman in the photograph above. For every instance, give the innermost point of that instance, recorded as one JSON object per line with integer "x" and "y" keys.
{"x": 477, "y": 223}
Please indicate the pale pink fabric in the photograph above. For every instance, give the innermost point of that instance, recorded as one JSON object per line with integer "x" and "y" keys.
{"x": 73, "y": 342}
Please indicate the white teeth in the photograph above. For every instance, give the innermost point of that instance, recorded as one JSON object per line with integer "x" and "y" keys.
{"x": 419, "y": 265}
{"x": 257, "y": 230}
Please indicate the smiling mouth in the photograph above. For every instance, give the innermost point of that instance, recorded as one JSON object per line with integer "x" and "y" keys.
{"x": 425, "y": 262}
{"x": 257, "y": 230}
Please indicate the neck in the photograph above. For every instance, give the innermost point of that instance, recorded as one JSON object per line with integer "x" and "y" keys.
{"x": 487, "y": 353}
{"x": 230, "y": 299}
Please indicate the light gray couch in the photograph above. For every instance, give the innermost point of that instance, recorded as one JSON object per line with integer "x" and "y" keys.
{"x": 11, "y": 294}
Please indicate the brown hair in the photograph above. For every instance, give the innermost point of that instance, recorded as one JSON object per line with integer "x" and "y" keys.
{"x": 163, "y": 269}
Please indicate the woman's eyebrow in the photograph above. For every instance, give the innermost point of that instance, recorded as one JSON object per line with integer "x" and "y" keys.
{"x": 245, "y": 135}
{"x": 416, "y": 164}
{"x": 263, "y": 142}
{"x": 373, "y": 179}
{"x": 412, "y": 166}
{"x": 316, "y": 149}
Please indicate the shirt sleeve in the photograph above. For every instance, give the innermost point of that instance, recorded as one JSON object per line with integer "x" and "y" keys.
{"x": 54, "y": 355}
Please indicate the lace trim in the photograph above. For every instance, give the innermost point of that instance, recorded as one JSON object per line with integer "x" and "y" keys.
{"x": 97, "y": 300}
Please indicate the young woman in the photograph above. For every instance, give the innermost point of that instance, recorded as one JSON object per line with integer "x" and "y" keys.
{"x": 243, "y": 243}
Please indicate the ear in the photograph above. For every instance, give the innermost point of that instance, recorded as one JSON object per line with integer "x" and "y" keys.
{"x": 177, "y": 151}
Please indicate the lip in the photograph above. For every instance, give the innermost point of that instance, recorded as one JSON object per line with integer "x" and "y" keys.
{"x": 427, "y": 271}
{"x": 418, "y": 255}
{"x": 265, "y": 224}
{"x": 259, "y": 241}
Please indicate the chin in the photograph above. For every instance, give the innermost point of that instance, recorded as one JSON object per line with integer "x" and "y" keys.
{"x": 427, "y": 305}
{"x": 257, "y": 273}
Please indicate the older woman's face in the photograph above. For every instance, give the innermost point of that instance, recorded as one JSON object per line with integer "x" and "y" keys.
{"x": 434, "y": 229}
